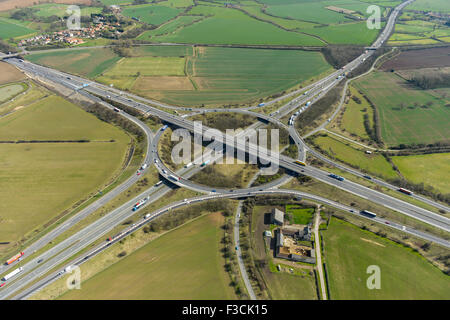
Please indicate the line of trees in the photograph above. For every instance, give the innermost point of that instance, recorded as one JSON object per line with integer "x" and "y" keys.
{"x": 339, "y": 55}
{"x": 431, "y": 81}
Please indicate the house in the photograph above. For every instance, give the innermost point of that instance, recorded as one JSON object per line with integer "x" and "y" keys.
{"x": 277, "y": 217}
{"x": 303, "y": 234}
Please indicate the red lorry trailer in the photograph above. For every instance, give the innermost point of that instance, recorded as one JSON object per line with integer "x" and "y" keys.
{"x": 405, "y": 191}
{"x": 16, "y": 257}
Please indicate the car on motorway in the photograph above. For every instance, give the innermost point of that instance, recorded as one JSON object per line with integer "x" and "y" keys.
{"x": 367, "y": 177}
{"x": 2, "y": 285}
{"x": 164, "y": 171}
{"x": 213, "y": 190}
{"x": 40, "y": 260}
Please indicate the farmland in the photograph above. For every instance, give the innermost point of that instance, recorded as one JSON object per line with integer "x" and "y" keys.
{"x": 9, "y": 73}
{"x": 86, "y": 62}
{"x": 300, "y": 215}
{"x": 62, "y": 174}
{"x": 407, "y": 115}
{"x": 417, "y": 27}
{"x": 10, "y": 29}
{"x": 12, "y": 4}
{"x": 430, "y": 5}
{"x": 151, "y": 14}
{"x": 351, "y": 123}
{"x": 184, "y": 263}
{"x": 281, "y": 285}
{"x": 404, "y": 274}
{"x": 374, "y": 163}
{"x": 417, "y": 59}
{"x": 217, "y": 29}
{"x": 429, "y": 169}
{"x": 60, "y": 10}
{"x": 184, "y": 76}
{"x": 11, "y": 90}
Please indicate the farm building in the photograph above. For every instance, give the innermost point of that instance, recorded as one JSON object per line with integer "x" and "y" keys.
{"x": 303, "y": 234}
{"x": 277, "y": 217}
{"x": 286, "y": 246}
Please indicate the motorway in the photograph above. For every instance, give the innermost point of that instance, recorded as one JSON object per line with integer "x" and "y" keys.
{"x": 67, "y": 248}
{"x": 37, "y": 273}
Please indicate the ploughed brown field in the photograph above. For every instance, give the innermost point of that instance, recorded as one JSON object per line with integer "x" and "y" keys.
{"x": 416, "y": 59}
{"x": 9, "y": 73}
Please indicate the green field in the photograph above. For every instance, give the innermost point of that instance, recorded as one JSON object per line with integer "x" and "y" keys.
{"x": 85, "y": 62}
{"x": 148, "y": 66}
{"x": 353, "y": 118}
{"x": 60, "y": 10}
{"x": 430, "y": 169}
{"x": 170, "y": 26}
{"x": 348, "y": 33}
{"x": 185, "y": 263}
{"x": 229, "y": 75}
{"x": 374, "y": 163}
{"x": 41, "y": 180}
{"x": 11, "y": 90}
{"x": 228, "y": 26}
{"x": 300, "y": 215}
{"x": 313, "y": 11}
{"x": 404, "y": 274}
{"x": 430, "y": 5}
{"x": 211, "y": 75}
{"x": 151, "y": 14}
{"x": 404, "y": 116}
{"x": 10, "y": 29}
{"x": 284, "y": 285}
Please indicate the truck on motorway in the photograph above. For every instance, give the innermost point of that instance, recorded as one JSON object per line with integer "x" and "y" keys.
{"x": 16, "y": 257}
{"x": 405, "y": 191}
{"x": 368, "y": 213}
{"x": 116, "y": 109}
{"x": 164, "y": 128}
{"x": 261, "y": 105}
{"x": 188, "y": 165}
{"x": 144, "y": 166}
{"x": 308, "y": 104}
{"x": 140, "y": 203}
{"x": 12, "y": 274}
{"x": 335, "y": 176}
{"x": 174, "y": 178}
{"x": 158, "y": 183}
{"x": 300, "y": 162}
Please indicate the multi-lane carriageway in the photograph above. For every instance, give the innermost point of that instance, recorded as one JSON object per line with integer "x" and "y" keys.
{"x": 390, "y": 202}
{"x": 87, "y": 87}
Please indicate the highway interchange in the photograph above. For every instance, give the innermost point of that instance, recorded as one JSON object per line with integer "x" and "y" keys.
{"x": 45, "y": 262}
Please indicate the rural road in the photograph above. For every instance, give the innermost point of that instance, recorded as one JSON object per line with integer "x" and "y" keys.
{"x": 319, "y": 263}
